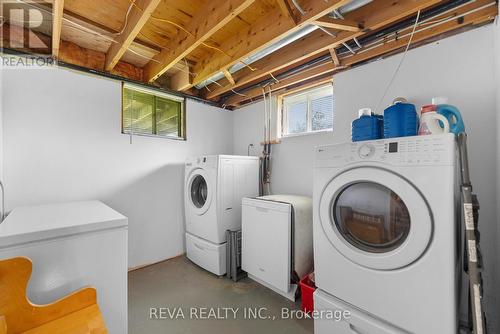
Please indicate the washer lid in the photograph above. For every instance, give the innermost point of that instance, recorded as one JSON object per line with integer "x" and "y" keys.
{"x": 199, "y": 191}
{"x": 375, "y": 218}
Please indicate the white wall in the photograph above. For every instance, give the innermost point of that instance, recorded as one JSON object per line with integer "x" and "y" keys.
{"x": 63, "y": 143}
{"x": 459, "y": 67}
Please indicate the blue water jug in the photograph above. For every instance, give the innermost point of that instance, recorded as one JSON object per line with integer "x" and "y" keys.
{"x": 368, "y": 126}
{"x": 400, "y": 120}
{"x": 454, "y": 117}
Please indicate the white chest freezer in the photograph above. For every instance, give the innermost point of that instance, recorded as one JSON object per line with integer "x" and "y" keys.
{"x": 72, "y": 245}
{"x": 277, "y": 247}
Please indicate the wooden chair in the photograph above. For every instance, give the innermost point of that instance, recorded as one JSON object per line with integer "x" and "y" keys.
{"x": 76, "y": 313}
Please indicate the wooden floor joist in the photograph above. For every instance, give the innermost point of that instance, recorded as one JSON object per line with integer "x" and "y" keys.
{"x": 339, "y": 24}
{"x": 314, "y": 72}
{"x": 203, "y": 25}
{"x": 57, "y": 17}
{"x": 462, "y": 17}
{"x": 139, "y": 14}
{"x": 270, "y": 28}
{"x": 374, "y": 16}
{"x": 182, "y": 44}
{"x": 69, "y": 52}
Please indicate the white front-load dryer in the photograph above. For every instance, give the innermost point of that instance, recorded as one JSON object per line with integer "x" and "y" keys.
{"x": 385, "y": 231}
{"x": 214, "y": 188}
{"x": 200, "y": 198}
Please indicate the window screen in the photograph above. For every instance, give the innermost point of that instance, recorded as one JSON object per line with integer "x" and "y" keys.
{"x": 308, "y": 111}
{"x": 152, "y": 113}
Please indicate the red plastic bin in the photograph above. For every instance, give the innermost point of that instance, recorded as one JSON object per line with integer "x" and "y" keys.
{"x": 307, "y": 288}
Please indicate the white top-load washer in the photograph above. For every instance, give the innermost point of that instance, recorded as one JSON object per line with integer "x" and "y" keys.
{"x": 386, "y": 234}
{"x": 214, "y": 187}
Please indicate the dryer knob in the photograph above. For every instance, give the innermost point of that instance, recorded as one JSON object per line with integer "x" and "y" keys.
{"x": 366, "y": 151}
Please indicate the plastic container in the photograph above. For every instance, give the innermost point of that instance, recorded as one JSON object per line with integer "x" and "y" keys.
{"x": 307, "y": 288}
{"x": 400, "y": 120}
{"x": 432, "y": 123}
{"x": 454, "y": 117}
{"x": 368, "y": 126}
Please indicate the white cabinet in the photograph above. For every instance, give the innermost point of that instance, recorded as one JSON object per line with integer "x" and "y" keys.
{"x": 72, "y": 245}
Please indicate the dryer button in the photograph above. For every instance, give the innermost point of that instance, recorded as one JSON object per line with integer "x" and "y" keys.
{"x": 366, "y": 151}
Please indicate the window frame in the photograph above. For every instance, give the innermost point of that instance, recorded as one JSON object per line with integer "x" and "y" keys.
{"x": 283, "y": 123}
{"x": 155, "y": 93}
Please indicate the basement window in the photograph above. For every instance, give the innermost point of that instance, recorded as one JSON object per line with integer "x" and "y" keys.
{"x": 307, "y": 111}
{"x": 152, "y": 113}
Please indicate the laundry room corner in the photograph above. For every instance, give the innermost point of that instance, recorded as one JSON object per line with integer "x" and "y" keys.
{"x": 450, "y": 67}
{"x": 250, "y": 166}
{"x": 76, "y": 133}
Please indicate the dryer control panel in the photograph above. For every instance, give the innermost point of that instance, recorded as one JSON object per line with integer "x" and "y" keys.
{"x": 405, "y": 151}
{"x": 209, "y": 161}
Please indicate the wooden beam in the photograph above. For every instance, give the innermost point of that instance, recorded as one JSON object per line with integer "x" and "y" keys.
{"x": 204, "y": 24}
{"x": 181, "y": 79}
{"x": 338, "y": 24}
{"x": 68, "y": 52}
{"x": 308, "y": 74}
{"x": 139, "y": 15}
{"x": 478, "y": 17}
{"x": 268, "y": 29}
{"x": 57, "y": 17}
{"x": 297, "y": 88}
{"x": 375, "y": 15}
{"x": 287, "y": 10}
{"x": 474, "y": 18}
{"x": 335, "y": 57}
{"x": 228, "y": 76}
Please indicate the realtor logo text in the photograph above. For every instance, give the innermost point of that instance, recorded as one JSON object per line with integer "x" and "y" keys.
{"x": 224, "y": 313}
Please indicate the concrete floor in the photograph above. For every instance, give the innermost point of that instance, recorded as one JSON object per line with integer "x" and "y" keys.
{"x": 180, "y": 283}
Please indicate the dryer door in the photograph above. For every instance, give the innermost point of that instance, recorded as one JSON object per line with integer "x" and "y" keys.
{"x": 199, "y": 191}
{"x": 375, "y": 218}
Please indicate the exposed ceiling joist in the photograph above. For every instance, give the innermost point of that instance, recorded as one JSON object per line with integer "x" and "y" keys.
{"x": 287, "y": 10}
{"x": 374, "y": 16}
{"x": 69, "y": 52}
{"x": 203, "y": 25}
{"x": 297, "y": 87}
{"x": 339, "y": 24}
{"x": 474, "y": 13}
{"x": 335, "y": 57}
{"x": 315, "y": 72}
{"x": 462, "y": 17}
{"x": 260, "y": 34}
{"x": 139, "y": 14}
{"x": 57, "y": 17}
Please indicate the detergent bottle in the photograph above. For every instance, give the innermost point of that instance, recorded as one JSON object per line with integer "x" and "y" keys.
{"x": 400, "y": 120}
{"x": 451, "y": 113}
{"x": 432, "y": 123}
{"x": 368, "y": 126}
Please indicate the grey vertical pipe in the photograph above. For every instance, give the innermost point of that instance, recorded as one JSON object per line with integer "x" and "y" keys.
{"x": 475, "y": 288}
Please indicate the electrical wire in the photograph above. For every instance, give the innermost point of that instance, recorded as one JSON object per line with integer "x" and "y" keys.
{"x": 126, "y": 19}
{"x": 399, "y": 65}
{"x": 133, "y": 3}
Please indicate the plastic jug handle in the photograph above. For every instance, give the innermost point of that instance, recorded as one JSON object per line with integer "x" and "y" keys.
{"x": 446, "y": 110}
{"x": 443, "y": 119}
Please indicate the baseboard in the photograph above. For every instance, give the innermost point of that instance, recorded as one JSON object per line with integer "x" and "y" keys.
{"x": 157, "y": 262}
